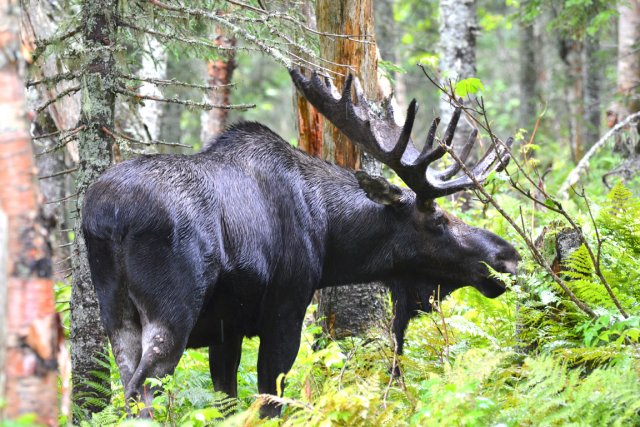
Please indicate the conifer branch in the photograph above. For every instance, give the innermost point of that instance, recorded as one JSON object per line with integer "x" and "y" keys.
{"x": 276, "y": 54}
{"x": 285, "y": 17}
{"x": 43, "y": 44}
{"x": 174, "y": 37}
{"x": 172, "y": 82}
{"x": 186, "y": 102}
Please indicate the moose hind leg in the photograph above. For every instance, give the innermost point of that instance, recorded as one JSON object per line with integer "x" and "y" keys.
{"x": 162, "y": 286}
{"x": 117, "y": 312}
{"x": 126, "y": 345}
{"x": 161, "y": 352}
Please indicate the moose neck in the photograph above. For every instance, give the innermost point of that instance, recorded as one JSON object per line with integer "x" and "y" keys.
{"x": 367, "y": 241}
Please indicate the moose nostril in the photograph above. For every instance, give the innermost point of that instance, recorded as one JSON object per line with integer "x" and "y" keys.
{"x": 510, "y": 267}
{"x": 506, "y": 261}
{"x": 508, "y": 255}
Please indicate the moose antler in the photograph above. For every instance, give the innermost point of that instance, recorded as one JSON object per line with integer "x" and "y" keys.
{"x": 374, "y": 134}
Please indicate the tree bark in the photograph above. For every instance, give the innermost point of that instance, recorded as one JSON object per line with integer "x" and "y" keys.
{"x": 40, "y": 21}
{"x": 528, "y": 76}
{"x": 310, "y": 123}
{"x": 350, "y": 310}
{"x": 458, "y": 29}
{"x": 629, "y": 55}
{"x": 4, "y": 249}
{"x": 88, "y": 340}
{"x": 220, "y": 73}
{"x": 154, "y": 65}
{"x": 574, "y": 66}
{"x": 32, "y": 325}
{"x": 593, "y": 77}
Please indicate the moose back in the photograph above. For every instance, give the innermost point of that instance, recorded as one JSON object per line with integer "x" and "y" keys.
{"x": 203, "y": 250}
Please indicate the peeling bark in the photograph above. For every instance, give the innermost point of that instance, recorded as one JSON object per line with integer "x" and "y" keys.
{"x": 350, "y": 310}
{"x": 32, "y": 332}
{"x": 4, "y": 249}
{"x": 219, "y": 73}
{"x": 310, "y": 123}
{"x": 310, "y": 127}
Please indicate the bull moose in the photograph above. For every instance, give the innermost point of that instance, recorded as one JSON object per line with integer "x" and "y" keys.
{"x": 203, "y": 250}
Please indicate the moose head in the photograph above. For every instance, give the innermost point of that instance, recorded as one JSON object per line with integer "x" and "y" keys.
{"x": 434, "y": 243}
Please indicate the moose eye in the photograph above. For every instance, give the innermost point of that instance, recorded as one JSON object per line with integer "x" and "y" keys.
{"x": 438, "y": 222}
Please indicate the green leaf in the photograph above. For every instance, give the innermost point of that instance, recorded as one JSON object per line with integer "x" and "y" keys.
{"x": 469, "y": 86}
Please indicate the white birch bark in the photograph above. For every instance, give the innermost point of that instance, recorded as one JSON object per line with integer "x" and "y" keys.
{"x": 629, "y": 54}
{"x": 458, "y": 29}
{"x": 154, "y": 65}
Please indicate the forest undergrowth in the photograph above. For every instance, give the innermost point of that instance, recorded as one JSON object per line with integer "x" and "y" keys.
{"x": 531, "y": 357}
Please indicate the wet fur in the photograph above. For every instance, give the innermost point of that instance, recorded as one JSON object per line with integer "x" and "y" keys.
{"x": 205, "y": 249}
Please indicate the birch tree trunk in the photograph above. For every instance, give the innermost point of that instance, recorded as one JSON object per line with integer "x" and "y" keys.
{"x": 458, "y": 29}
{"x": 88, "y": 339}
{"x": 32, "y": 323}
{"x": 350, "y": 310}
{"x": 629, "y": 55}
{"x": 154, "y": 66}
{"x": 628, "y": 88}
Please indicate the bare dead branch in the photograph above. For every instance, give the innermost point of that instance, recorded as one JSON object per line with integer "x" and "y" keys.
{"x": 56, "y": 133}
{"x": 583, "y": 164}
{"x": 115, "y": 135}
{"x": 64, "y": 140}
{"x": 64, "y": 199}
{"x": 64, "y": 172}
{"x": 70, "y": 75}
{"x": 61, "y": 95}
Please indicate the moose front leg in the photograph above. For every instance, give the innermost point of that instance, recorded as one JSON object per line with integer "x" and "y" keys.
{"x": 279, "y": 345}
{"x": 224, "y": 359}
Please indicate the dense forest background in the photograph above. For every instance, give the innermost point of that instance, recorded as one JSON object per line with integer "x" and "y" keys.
{"x": 86, "y": 84}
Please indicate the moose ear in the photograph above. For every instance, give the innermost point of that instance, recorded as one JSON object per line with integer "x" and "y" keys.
{"x": 379, "y": 189}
